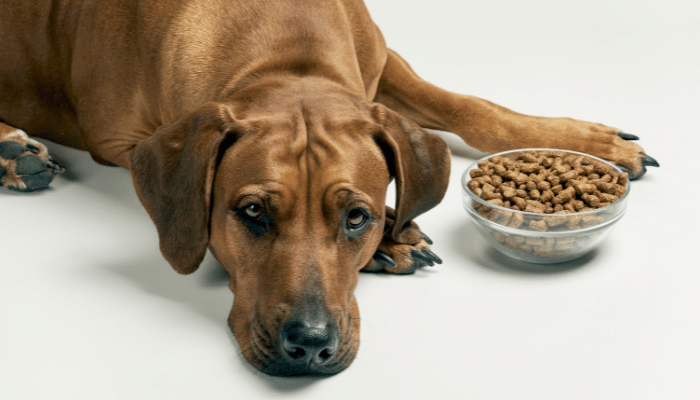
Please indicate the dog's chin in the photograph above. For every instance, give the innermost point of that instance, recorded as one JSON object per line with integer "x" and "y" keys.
{"x": 300, "y": 371}
{"x": 265, "y": 354}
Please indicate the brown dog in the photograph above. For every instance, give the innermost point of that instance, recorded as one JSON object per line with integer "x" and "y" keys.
{"x": 267, "y": 131}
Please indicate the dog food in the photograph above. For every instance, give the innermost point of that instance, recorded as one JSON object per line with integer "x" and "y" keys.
{"x": 557, "y": 188}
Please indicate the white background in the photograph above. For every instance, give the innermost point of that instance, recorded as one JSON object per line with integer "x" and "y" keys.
{"x": 90, "y": 310}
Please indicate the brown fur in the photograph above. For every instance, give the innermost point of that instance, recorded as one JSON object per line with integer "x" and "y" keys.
{"x": 297, "y": 107}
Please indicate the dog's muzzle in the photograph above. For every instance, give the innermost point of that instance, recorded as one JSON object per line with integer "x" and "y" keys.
{"x": 306, "y": 339}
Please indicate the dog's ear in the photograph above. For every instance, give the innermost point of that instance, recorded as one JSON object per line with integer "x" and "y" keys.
{"x": 419, "y": 161}
{"x": 173, "y": 172}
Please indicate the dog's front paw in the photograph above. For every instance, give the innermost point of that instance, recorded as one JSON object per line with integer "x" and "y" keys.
{"x": 637, "y": 162}
{"x": 402, "y": 258}
{"x": 25, "y": 164}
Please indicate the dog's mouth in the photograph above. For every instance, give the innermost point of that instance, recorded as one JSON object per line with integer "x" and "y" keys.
{"x": 295, "y": 351}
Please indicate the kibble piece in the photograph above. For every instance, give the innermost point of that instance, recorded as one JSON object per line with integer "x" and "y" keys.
{"x": 529, "y": 168}
{"x": 564, "y": 196}
{"x": 584, "y": 188}
{"x": 607, "y": 198}
{"x": 547, "y": 196}
{"x": 622, "y": 179}
{"x": 508, "y": 192}
{"x": 516, "y": 220}
{"x": 567, "y": 176}
{"x": 538, "y": 226}
{"x": 520, "y": 202}
{"x": 592, "y": 200}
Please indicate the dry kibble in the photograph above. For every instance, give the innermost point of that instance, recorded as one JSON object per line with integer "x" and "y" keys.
{"x": 584, "y": 188}
{"x": 607, "y": 198}
{"x": 551, "y": 183}
{"x": 520, "y": 202}
{"x": 516, "y": 220}
{"x": 538, "y": 226}
{"x": 567, "y": 176}
{"x": 592, "y": 200}
{"x": 529, "y": 168}
{"x": 500, "y": 170}
{"x": 534, "y": 206}
{"x": 622, "y": 179}
{"x": 578, "y": 205}
{"x": 475, "y": 173}
{"x": 564, "y": 196}
{"x": 508, "y": 192}
{"x": 547, "y": 196}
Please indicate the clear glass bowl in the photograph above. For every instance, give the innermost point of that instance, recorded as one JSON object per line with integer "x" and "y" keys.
{"x": 520, "y": 235}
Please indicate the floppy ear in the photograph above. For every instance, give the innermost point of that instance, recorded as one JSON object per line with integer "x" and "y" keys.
{"x": 420, "y": 162}
{"x": 173, "y": 173}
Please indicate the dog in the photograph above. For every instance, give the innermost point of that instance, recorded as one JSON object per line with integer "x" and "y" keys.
{"x": 265, "y": 131}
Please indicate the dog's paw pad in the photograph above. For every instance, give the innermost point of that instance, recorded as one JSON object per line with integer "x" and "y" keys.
{"x": 27, "y": 166}
{"x": 10, "y": 150}
{"x": 30, "y": 164}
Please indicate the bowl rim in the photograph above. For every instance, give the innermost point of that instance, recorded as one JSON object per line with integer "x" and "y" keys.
{"x": 607, "y": 208}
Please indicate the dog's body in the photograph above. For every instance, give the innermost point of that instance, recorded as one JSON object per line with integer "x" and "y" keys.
{"x": 265, "y": 130}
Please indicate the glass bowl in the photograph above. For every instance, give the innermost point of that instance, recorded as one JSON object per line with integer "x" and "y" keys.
{"x": 537, "y": 237}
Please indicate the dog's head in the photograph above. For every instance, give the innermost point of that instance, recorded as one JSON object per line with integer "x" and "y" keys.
{"x": 290, "y": 199}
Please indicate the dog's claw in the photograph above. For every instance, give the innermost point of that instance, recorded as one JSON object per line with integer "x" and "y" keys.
{"x": 433, "y": 256}
{"x": 425, "y": 237}
{"x": 424, "y": 258}
{"x": 420, "y": 259}
{"x": 383, "y": 258}
{"x": 649, "y": 161}
{"x": 56, "y": 167}
{"x": 628, "y": 136}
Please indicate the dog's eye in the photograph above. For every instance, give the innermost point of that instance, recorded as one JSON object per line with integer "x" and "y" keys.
{"x": 356, "y": 219}
{"x": 255, "y": 218}
{"x": 253, "y": 211}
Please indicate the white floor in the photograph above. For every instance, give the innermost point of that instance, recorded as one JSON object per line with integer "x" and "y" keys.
{"x": 90, "y": 310}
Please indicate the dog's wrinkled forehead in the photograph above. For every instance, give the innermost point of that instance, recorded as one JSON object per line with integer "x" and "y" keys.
{"x": 306, "y": 153}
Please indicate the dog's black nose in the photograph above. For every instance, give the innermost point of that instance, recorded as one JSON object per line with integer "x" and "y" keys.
{"x": 309, "y": 340}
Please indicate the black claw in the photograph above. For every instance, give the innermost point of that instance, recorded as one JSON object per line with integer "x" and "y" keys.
{"x": 419, "y": 257}
{"x": 56, "y": 167}
{"x": 425, "y": 237}
{"x": 628, "y": 136}
{"x": 33, "y": 149}
{"x": 383, "y": 258}
{"x": 433, "y": 256}
{"x": 649, "y": 161}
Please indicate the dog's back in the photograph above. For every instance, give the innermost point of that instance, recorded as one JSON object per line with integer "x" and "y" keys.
{"x": 82, "y": 72}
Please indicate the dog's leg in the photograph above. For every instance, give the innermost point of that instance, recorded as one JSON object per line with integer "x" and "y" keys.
{"x": 492, "y": 128}
{"x": 25, "y": 164}
{"x": 401, "y": 258}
